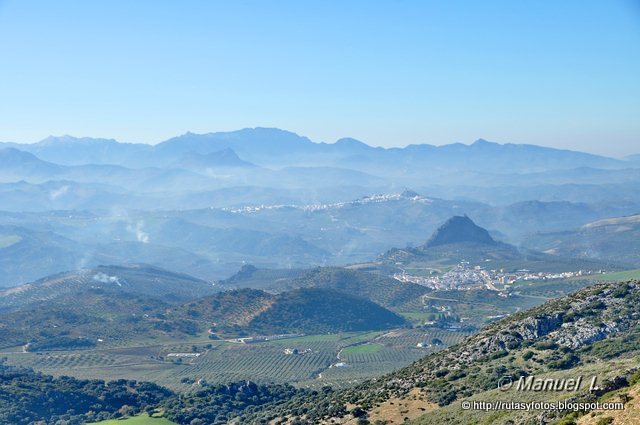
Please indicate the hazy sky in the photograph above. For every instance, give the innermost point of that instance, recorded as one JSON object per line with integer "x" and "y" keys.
{"x": 390, "y": 73}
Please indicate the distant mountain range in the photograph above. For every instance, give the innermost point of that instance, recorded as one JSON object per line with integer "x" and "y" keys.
{"x": 269, "y": 146}
{"x": 273, "y": 159}
{"x": 207, "y": 203}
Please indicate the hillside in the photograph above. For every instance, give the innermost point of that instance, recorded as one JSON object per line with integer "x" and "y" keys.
{"x": 70, "y": 400}
{"x": 227, "y": 312}
{"x": 87, "y": 318}
{"x": 306, "y": 310}
{"x": 319, "y": 310}
{"x": 14, "y": 162}
{"x": 614, "y": 239}
{"x": 380, "y": 289}
{"x": 82, "y": 309}
{"x": 564, "y": 337}
{"x": 235, "y": 225}
{"x": 28, "y": 253}
{"x": 108, "y": 304}
{"x": 45, "y": 252}
{"x": 133, "y": 279}
{"x": 250, "y": 276}
{"x": 375, "y": 287}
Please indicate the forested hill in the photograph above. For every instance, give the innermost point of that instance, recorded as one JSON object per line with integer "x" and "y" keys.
{"x": 305, "y": 310}
{"x": 27, "y": 397}
{"x": 380, "y": 289}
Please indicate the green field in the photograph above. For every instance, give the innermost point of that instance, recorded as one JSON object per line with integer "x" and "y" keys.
{"x": 137, "y": 420}
{"x": 559, "y": 287}
{"x": 551, "y": 288}
{"x": 362, "y": 349}
{"x": 421, "y": 317}
{"x": 8, "y": 240}
{"x": 617, "y": 276}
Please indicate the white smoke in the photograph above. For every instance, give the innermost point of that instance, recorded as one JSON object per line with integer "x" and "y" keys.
{"x": 56, "y": 193}
{"x": 138, "y": 230}
{"x": 84, "y": 261}
{"x": 105, "y": 278}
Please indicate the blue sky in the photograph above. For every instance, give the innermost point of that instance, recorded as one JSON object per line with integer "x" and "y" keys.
{"x": 390, "y": 73}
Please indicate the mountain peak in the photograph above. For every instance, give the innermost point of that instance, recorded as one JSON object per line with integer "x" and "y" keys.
{"x": 483, "y": 142}
{"x": 408, "y": 193}
{"x": 74, "y": 141}
{"x": 459, "y": 229}
{"x": 349, "y": 141}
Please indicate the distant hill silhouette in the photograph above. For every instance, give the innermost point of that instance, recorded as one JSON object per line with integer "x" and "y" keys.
{"x": 459, "y": 229}
{"x": 12, "y": 159}
{"x": 223, "y": 158}
{"x": 612, "y": 239}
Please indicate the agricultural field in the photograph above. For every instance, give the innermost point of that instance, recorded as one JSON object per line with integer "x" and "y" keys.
{"x": 179, "y": 365}
{"x": 362, "y": 349}
{"x": 550, "y": 288}
{"x": 136, "y": 420}
{"x": 617, "y": 276}
{"x": 8, "y": 240}
{"x": 382, "y": 354}
{"x": 559, "y": 287}
{"x": 473, "y": 308}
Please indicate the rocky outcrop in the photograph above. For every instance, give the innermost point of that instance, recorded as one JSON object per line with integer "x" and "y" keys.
{"x": 459, "y": 229}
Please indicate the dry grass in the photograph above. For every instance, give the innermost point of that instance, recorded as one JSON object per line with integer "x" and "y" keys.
{"x": 395, "y": 410}
{"x": 629, "y": 416}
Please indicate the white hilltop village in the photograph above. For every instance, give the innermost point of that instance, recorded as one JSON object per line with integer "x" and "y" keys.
{"x": 465, "y": 276}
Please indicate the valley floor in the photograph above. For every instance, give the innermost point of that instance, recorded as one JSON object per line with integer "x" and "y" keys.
{"x": 307, "y": 361}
